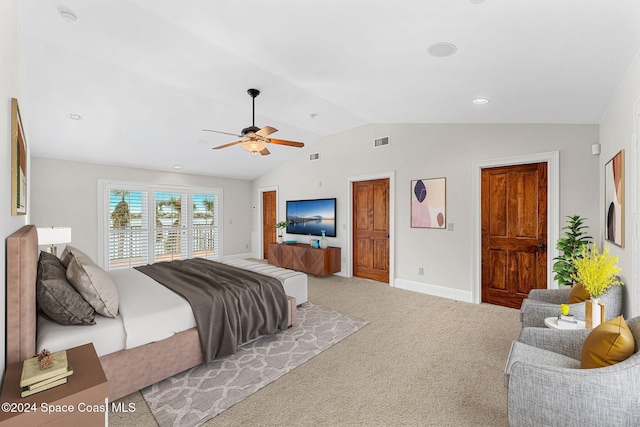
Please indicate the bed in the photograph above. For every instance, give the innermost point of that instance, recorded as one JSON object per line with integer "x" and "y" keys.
{"x": 129, "y": 369}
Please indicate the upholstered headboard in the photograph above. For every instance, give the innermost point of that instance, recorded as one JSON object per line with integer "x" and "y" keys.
{"x": 22, "y": 270}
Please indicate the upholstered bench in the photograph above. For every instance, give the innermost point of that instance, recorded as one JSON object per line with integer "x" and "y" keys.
{"x": 294, "y": 282}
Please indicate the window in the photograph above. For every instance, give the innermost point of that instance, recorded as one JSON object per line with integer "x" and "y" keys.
{"x": 128, "y": 228}
{"x": 143, "y": 224}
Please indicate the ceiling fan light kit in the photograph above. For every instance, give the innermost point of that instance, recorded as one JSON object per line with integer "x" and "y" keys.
{"x": 254, "y": 147}
{"x": 254, "y": 138}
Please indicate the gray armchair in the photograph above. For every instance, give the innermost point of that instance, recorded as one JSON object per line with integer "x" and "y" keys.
{"x": 543, "y": 303}
{"x": 546, "y": 386}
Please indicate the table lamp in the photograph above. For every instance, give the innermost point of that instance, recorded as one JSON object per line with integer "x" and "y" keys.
{"x": 53, "y": 236}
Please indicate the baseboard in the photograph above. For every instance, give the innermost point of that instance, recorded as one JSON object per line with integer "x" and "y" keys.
{"x": 435, "y": 290}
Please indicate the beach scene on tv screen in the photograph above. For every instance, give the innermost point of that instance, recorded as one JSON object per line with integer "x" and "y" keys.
{"x": 311, "y": 217}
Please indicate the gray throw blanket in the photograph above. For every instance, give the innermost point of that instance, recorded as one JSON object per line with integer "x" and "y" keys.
{"x": 231, "y": 306}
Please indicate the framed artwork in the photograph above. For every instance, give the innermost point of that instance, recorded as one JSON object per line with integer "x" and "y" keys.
{"x": 18, "y": 163}
{"x": 614, "y": 199}
{"x": 428, "y": 203}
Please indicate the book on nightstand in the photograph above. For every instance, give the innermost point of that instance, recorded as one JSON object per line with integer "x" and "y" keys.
{"x": 38, "y": 387}
{"x": 34, "y": 380}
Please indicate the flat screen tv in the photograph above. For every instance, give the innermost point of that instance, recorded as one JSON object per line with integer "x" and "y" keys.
{"x": 310, "y": 217}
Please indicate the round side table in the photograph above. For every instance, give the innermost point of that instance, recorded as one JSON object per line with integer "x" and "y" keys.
{"x": 552, "y": 322}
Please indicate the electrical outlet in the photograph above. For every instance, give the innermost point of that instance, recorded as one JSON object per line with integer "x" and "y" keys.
{"x": 421, "y": 271}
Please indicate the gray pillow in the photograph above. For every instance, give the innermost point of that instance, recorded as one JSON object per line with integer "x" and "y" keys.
{"x": 48, "y": 258}
{"x": 57, "y": 298}
{"x": 93, "y": 283}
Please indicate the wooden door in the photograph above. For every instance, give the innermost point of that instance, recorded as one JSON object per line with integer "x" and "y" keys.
{"x": 514, "y": 232}
{"x": 269, "y": 205}
{"x": 371, "y": 229}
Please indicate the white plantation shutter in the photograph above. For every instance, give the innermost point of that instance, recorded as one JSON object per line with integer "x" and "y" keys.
{"x": 128, "y": 228}
{"x": 171, "y": 223}
{"x": 205, "y": 221}
{"x": 143, "y": 225}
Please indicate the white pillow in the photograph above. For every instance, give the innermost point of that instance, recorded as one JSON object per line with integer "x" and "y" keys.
{"x": 92, "y": 282}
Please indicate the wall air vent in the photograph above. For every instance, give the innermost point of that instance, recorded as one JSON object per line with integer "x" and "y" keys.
{"x": 381, "y": 142}
{"x": 314, "y": 156}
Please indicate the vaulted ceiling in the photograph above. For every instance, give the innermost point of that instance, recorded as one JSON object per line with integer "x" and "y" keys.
{"x": 146, "y": 76}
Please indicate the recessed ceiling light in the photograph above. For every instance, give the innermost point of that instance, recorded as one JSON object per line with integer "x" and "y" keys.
{"x": 480, "y": 101}
{"x": 74, "y": 116}
{"x": 442, "y": 49}
{"x": 68, "y": 16}
{"x": 177, "y": 166}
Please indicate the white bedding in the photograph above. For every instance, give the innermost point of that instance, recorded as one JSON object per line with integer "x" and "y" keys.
{"x": 107, "y": 335}
{"x": 148, "y": 312}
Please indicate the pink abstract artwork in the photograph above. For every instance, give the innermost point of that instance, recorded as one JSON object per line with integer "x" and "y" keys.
{"x": 428, "y": 203}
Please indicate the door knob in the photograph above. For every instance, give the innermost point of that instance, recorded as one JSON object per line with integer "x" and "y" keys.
{"x": 542, "y": 246}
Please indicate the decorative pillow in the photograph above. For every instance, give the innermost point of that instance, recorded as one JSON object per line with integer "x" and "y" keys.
{"x": 608, "y": 344}
{"x": 578, "y": 294}
{"x": 634, "y": 327}
{"x": 66, "y": 256}
{"x": 49, "y": 258}
{"x": 57, "y": 298}
{"x": 93, "y": 283}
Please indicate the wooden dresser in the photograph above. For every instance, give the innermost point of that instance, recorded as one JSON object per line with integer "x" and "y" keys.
{"x": 302, "y": 257}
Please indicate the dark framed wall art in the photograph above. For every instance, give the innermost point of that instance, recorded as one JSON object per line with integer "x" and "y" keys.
{"x": 614, "y": 199}
{"x": 428, "y": 203}
{"x": 18, "y": 163}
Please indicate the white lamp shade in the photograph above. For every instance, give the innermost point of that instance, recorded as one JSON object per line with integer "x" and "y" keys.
{"x": 53, "y": 235}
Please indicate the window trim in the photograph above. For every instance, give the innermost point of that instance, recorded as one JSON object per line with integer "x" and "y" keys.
{"x": 151, "y": 188}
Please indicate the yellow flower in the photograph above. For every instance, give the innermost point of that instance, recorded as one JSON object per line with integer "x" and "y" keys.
{"x": 596, "y": 271}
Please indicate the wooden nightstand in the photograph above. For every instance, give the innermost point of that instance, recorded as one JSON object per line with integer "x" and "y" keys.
{"x": 82, "y": 401}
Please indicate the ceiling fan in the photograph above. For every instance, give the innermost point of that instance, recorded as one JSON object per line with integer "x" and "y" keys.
{"x": 255, "y": 139}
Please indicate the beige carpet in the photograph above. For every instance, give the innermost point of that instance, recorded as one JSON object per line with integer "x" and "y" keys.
{"x": 421, "y": 361}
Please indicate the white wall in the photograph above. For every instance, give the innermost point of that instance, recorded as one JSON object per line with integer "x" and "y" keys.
{"x": 64, "y": 193}
{"x": 12, "y": 85}
{"x": 426, "y": 151}
{"x": 617, "y": 129}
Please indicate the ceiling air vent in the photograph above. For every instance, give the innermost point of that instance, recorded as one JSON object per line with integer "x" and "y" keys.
{"x": 314, "y": 156}
{"x": 381, "y": 142}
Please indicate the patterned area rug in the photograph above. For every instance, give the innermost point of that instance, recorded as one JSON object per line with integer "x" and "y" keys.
{"x": 199, "y": 394}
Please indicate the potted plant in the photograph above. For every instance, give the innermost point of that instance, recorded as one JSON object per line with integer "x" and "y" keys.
{"x": 597, "y": 272}
{"x": 280, "y": 226}
{"x": 575, "y": 238}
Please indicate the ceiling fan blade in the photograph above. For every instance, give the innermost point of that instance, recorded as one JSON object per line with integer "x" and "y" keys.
{"x": 285, "y": 142}
{"x": 264, "y": 152}
{"x": 266, "y": 131}
{"x": 224, "y": 133}
{"x": 227, "y": 145}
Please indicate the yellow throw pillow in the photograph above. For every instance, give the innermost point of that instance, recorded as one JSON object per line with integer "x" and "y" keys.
{"x": 578, "y": 294}
{"x": 608, "y": 344}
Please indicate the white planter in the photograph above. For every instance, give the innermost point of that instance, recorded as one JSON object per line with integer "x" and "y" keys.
{"x": 594, "y": 312}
